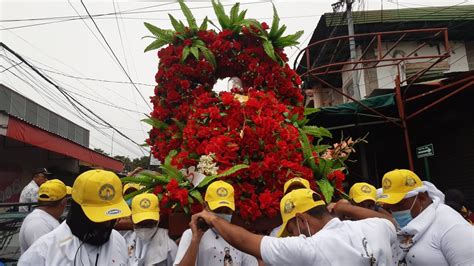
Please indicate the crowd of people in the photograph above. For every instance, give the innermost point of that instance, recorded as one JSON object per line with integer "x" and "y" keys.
{"x": 406, "y": 222}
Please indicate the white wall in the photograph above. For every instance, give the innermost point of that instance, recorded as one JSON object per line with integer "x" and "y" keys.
{"x": 386, "y": 75}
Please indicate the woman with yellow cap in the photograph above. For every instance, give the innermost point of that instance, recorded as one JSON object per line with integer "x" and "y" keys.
{"x": 147, "y": 243}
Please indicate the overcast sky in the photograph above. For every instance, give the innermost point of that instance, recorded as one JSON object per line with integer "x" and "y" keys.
{"x": 76, "y": 49}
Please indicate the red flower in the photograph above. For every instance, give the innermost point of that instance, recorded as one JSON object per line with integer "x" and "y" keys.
{"x": 265, "y": 26}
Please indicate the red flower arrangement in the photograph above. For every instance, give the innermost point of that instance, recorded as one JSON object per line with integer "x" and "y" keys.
{"x": 258, "y": 127}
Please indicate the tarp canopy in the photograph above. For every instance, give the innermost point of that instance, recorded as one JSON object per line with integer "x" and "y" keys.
{"x": 350, "y": 114}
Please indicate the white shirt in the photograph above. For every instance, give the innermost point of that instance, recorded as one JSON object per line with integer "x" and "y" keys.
{"x": 337, "y": 243}
{"x": 212, "y": 250}
{"x": 275, "y": 231}
{"x": 160, "y": 250}
{"x": 61, "y": 247}
{"x": 28, "y": 194}
{"x": 36, "y": 224}
{"x": 443, "y": 237}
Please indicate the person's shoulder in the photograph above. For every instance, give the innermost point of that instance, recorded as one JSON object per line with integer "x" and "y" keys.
{"x": 187, "y": 234}
{"x": 447, "y": 218}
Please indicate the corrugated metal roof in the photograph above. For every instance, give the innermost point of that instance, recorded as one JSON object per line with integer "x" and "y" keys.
{"x": 425, "y": 14}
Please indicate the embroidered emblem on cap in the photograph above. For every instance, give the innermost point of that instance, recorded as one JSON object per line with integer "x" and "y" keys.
{"x": 113, "y": 212}
{"x": 145, "y": 203}
{"x": 289, "y": 206}
{"x": 410, "y": 182}
{"x": 106, "y": 192}
{"x": 387, "y": 184}
{"x": 366, "y": 189}
{"x": 222, "y": 192}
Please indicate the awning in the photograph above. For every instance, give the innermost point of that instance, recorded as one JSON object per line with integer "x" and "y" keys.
{"x": 352, "y": 114}
{"x": 24, "y": 132}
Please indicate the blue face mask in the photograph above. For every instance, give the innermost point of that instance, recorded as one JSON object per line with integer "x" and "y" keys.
{"x": 404, "y": 217}
{"x": 129, "y": 202}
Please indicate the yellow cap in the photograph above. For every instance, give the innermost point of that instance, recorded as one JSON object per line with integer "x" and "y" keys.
{"x": 363, "y": 191}
{"x": 220, "y": 194}
{"x": 131, "y": 185}
{"x": 53, "y": 190}
{"x": 396, "y": 184}
{"x": 297, "y": 201}
{"x": 98, "y": 193}
{"x": 296, "y": 181}
{"x": 145, "y": 207}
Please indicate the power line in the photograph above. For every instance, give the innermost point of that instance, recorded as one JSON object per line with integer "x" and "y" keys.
{"x": 113, "y": 53}
{"x": 68, "y": 97}
{"x": 72, "y": 18}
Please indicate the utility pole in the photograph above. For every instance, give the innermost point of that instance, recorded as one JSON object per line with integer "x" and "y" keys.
{"x": 112, "y": 145}
{"x": 352, "y": 48}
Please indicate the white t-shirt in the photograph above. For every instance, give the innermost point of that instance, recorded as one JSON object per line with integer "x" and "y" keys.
{"x": 275, "y": 231}
{"x": 160, "y": 250}
{"x": 61, "y": 247}
{"x": 28, "y": 194}
{"x": 337, "y": 243}
{"x": 448, "y": 240}
{"x": 212, "y": 251}
{"x": 36, "y": 224}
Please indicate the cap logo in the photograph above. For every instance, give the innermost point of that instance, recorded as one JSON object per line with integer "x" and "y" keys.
{"x": 289, "y": 206}
{"x": 410, "y": 182}
{"x": 387, "y": 184}
{"x": 145, "y": 203}
{"x": 222, "y": 192}
{"x": 366, "y": 189}
{"x": 113, "y": 212}
{"x": 106, "y": 192}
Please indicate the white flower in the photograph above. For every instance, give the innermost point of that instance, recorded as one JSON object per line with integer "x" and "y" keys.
{"x": 206, "y": 165}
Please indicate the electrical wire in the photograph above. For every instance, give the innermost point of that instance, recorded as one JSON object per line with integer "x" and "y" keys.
{"x": 115, "y": 56}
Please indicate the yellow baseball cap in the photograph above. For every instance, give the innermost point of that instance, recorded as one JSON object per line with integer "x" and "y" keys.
{"x": 98, "y": 193}
{"x": 363, "y": 191}
{"x": 297, "y": 201}
{"x": 145, "y": 207}
{"x": 131, "y": 185}
{"x": 220, "y": 194}
{"x": 296, "y": 181}
{"x": 396, "y": 184}
{"x": 53, "y": 190}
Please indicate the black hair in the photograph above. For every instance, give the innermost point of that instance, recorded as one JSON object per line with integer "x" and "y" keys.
{"x": 454, "y": 198}
{"x": 318, "y": 211}
{"x": 49, "y": 203}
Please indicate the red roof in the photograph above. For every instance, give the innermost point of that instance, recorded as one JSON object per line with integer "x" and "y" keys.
{"x": 24, "y": 132}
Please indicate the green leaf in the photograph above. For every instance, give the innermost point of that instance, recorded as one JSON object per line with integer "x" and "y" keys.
{"x": 268, "y": 47}
{"x": 220, "y": 13}
{"x": 255, "y": 23}
{"x": 195, "y": 52}
{"x": 326, "y": 188}
{"x": 177, "y": 25}
{"x": 208, "y": 55}
{"x": 139, "y": 179}
{"x": 186, "y": 209}
{"x": 203, "y": 26}
{"x": 318, "y": 132}
{"x": 172, "y": 172}
{"x": 279, "y": 33}
{"x": 242, "y": 16}
{"x": 321, "y": 148}
{"x": 288, "y": 40}
{"x": 324, "y": 168}
{"x": 185, "y": 54}
{"x": 160, "y": 33}
{"x": 230, "y": 171}
{"x": 234, "y": 13}
{"x": 133, "y": 194}
{"x": 275, "y": 23}
{"x": 189, "y": 15}
{"x": 307, "y": 150}
{"x": 197, "y": 195}
{"x": 170, "y": 156}
{"x": 308, "y": 111}
{"x": 155, "y": 123}
{"x": 156, "y": 44}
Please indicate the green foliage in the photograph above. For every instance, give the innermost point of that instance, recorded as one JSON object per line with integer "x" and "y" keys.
{"x": 230, "y": 171}
{"x": 326, "y": 188}
{"x": 155, "y": 123}
{"x": 318, "y": 132}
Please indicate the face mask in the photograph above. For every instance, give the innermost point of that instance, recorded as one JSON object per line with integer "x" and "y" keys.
{"x": 129, "y": 202}
{"x": 146, "y": 234}
{"x": 227, "y": 217}
{"x": 307, "y": 225}
{"x": 404, "y": 217}
{"x": 86, "y": 230}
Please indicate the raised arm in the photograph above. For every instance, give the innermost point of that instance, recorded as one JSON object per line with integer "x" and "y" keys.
{"x": 236, "y": 236}
{"x": 358, "y": 213}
